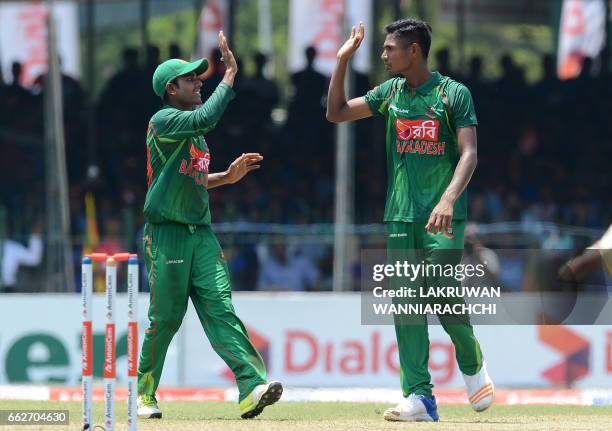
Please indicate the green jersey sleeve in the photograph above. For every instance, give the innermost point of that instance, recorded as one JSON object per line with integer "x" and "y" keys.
{"x": 462, "y": 105}
{"x": 174, "y": 124}
{"x": 378, "y": 98}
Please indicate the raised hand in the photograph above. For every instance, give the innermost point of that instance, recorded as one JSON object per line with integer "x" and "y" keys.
{"x": 347, "y": 50}
{"x": 244, "y": 164}
{"x": 226, "y": 55}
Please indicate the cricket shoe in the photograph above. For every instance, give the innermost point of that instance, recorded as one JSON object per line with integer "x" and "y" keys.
{"x": 415, "y": 408}
{"x": 147, "y": 407}
{"x": 262, "y": 396}
{"x": 480, "y": 389}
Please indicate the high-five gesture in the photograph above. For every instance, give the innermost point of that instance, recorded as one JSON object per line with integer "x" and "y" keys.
{"x": 338, "y": 109}
{"x": 347, "y": 50}
{"x": 231, "y": 67}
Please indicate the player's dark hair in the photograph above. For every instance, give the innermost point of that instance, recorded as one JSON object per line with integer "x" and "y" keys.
{"x": 412, "y": 31}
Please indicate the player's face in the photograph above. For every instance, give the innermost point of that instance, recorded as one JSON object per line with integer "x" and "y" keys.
{"x": 187, "y": 90}
{"x": 397, "y": 57}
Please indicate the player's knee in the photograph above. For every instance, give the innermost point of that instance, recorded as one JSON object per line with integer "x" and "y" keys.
{"x": 222, "y": 313}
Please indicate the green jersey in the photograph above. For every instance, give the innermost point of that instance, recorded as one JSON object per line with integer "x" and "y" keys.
{"x": 178, "y": 161}
{"x": 422, "y": 150}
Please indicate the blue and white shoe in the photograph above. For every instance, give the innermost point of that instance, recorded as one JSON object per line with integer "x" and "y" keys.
{"x": 415, "y": 408}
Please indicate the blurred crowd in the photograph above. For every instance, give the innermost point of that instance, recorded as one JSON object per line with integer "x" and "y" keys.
{"x": 544, "y": 151}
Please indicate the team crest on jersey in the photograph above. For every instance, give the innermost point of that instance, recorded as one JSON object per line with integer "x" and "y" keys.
{"x": 417, "y": 129}
{"x": 432, "y": 113}
{"x": 197, "y": 167}
{"x": 200, "y": 160}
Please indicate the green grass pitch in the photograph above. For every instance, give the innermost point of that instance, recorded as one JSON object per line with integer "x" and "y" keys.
{"x": 312, "y": 416}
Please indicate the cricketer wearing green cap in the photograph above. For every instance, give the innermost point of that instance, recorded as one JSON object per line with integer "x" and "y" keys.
{"x": 431, "y": 155}
{"x": 172, "y": 69}
{"x": 183, "y": 257}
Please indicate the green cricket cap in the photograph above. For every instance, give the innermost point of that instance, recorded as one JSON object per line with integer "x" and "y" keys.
{"x": 174, "y": 68}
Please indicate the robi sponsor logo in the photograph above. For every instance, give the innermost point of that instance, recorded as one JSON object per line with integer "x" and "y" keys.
{"x": 417, "y": 129}
{"x": 418, "y": 136}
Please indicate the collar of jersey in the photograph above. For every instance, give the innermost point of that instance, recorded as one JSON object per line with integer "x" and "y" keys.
{"x": 427, "y": 86}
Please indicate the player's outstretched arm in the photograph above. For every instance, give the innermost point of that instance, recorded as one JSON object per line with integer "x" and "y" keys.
{"x": 441, "y": 217}
{"x": 338, "y": 109}
{"x": 186, "y": 124}
{"x": 244, "y": 164}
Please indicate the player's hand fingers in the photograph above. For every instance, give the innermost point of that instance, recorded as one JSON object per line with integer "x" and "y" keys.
{"x": 226, "y": 55}
{"x": 254, "y": 156}
{"x": 434, "y": 225}
{"x": 353, "y": 32}
{"x": 431, "y": 225}
{"x": 222, "y": 41}
{"x": 361, "y": 32}
{"x": 253, "y": 167}
{"x": 438, "y": 225}
{"x": 444, "y": 222}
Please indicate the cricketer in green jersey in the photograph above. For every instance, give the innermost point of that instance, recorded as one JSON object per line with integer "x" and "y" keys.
{"x": 184, "y": 259}
{"x": 431, "y": 155}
